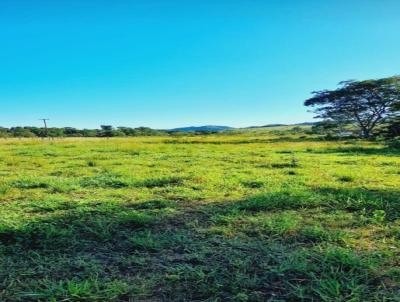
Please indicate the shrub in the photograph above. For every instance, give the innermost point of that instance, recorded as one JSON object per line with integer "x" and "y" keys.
{"x": 394, "y": 143}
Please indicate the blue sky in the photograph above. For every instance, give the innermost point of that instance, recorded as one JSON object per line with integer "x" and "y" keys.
{"x": 171, "y": 63}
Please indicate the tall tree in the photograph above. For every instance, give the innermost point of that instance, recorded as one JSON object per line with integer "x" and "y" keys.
{"x": 106, "y": 130}
{"x": 365, "y": 104}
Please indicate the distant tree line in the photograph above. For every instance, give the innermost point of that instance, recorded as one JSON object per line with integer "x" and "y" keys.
{"x": 104, "y": 131}
{"x": 367, "y": 108}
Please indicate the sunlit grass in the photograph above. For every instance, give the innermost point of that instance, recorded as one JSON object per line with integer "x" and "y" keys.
{"x": 247, "y": 217}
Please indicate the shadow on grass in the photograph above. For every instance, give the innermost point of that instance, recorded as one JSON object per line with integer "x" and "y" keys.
{"x": 161, "y": 250}
{"x": 364, "y": 201}
{"x": 356, "y": 150}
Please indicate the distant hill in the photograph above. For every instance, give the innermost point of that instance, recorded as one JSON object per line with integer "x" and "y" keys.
{"x": 268, "y": 126}
{"x": 202, "y": 128}
{"x": 282, "y": 125}
{"x": 305, "y": 124}
{"x": 222, "y": 128}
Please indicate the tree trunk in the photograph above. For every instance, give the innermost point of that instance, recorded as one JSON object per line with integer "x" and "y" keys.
{"x": 365, "y": 133}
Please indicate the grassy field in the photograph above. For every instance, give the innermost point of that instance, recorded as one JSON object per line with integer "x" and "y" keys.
{"x": 249, "y": 217}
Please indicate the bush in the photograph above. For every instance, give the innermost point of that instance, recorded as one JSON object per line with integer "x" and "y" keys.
{"x": 394, "y": 143}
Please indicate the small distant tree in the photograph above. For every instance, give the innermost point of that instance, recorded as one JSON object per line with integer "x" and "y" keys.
{"x": 126, "y": 130}
{"x": 4, "y": 132}
{"x": 106, "y": 131}
{"x": 365, "y": 104}
{"x": 297, "y": 129}
{"x": 22, "y": 132}
{"x": 118, "y": 133}
{"x": 89, "y": 132}
{"x": 70, "y": 131}
{"x": 55, "y": 132}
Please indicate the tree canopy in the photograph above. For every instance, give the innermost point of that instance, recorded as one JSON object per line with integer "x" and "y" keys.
{"x": 365, "y": 104}
{"x": 105, "y": 131}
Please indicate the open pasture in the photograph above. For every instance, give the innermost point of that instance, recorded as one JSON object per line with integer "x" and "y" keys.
{"x": 247, "y": 217}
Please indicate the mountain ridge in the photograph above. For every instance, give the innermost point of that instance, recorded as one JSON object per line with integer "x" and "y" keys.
{"x": 202, "y": 128}
{"x": 222, "y": 128}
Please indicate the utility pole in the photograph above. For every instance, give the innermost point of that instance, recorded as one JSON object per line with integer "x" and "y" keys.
{"x": 45, "y": 125}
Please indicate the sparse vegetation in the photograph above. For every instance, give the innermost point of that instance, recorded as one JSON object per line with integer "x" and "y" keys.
{"x": 251, "y": 216}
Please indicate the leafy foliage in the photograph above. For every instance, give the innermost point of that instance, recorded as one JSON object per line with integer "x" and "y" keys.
{"x": 362, "y": 103}
{"x": 104, "y": 131}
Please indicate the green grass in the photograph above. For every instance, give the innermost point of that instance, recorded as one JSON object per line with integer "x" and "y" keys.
{"x": 252, "y": 216}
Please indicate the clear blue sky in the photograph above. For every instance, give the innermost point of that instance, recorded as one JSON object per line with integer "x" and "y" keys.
{"x": 175, "y": 63}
